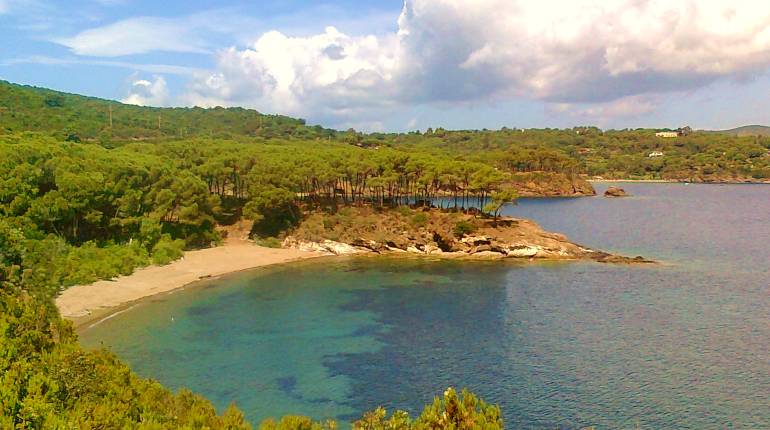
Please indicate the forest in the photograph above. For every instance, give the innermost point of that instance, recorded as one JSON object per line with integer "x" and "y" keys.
{"x": 91, "y": 189}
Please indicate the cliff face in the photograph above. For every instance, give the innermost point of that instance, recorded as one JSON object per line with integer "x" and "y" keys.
{"x": 551, "y": 184}
{"x": 437, "y": 233}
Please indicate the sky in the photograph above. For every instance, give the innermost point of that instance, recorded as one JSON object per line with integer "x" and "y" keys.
{"x": 391, "y": 65}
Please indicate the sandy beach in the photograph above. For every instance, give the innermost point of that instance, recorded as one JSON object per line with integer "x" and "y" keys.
{"x": 84, "y": 303}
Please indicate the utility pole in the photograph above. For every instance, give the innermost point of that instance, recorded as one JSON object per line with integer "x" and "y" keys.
{"x": 110, "y": 116}
{"x": 158, "y": 121}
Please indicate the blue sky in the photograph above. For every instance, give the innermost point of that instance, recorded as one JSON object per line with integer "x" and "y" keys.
{"x": 394, "y": 65}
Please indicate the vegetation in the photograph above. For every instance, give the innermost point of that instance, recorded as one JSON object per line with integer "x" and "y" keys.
{"x": 91, "y": 189}
{"x": 734, "y": 155}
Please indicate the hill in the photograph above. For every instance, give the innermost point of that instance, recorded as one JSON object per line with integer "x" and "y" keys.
{"x": 560, "y": 157}
{"x": 76, "y": 117}
{"x": 748, "y": 130}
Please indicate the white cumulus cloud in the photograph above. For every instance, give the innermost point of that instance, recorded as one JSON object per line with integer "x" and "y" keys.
{"x": 145, "y": 92}
{"x": 331, "y": 72}
{"x": 448, "y": 51}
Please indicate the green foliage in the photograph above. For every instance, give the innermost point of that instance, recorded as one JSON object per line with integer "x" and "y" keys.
{"x": 419, "y": 219}
{"x": 291, "y": 422}
{"x": 452, "y": 412}
{"x": 167, "y": 250}
{"x": 92, "y": 119}
{"x": 463, "y": 228}
{"x": 47, "y": 381}
{"x": 269, "y": 242}
{"x": 89, "y": 262}
{"x": 498, "y": 199}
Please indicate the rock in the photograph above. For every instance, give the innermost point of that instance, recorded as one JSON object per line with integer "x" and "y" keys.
{"x": 433, "y": 249}
{"x": 602, "y": 257}
{"x": 481, "y": 248}
{"x": 326, "y": 247}
{"x": 368, "y": 244}
{"x": 522, "y": 251}
{"x": 414, "y": 250}
{"x": 476, "y": 240}
{"x": 615, "y": 192}
{"x": 396, "y": 250}
{"x": 488, "y": 254}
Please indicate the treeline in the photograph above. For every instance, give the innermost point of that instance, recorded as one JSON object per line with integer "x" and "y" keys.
{"x": 148, "y": 201}
{"x": 612, "y": 154}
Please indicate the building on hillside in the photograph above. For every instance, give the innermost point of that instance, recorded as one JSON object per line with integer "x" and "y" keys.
{"x": 679, "y": 132}
{"x": 667, "y": 134}
{"x": 655, "y": 154}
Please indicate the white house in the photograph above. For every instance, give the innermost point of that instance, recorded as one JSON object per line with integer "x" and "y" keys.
{"x": 655, "y": 154}
{"x": 667, "y": 134}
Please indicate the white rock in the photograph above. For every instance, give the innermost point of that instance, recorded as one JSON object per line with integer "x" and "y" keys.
{"x": 523, "y": 251}
{"x": 338, "y": 248}
{"x": 488, "y": 254}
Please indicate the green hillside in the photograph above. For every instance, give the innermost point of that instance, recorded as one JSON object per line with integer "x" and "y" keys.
{"x": 739, "y": 155}
{"x": 748, "y": 130}
{"x": 26, "y": 108}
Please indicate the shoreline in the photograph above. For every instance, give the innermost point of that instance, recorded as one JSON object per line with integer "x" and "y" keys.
{"x": 85, "y": 304}
{"x": 676, "y": 181}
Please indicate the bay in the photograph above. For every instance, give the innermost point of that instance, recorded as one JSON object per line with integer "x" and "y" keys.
{"x": 685, "y": 344}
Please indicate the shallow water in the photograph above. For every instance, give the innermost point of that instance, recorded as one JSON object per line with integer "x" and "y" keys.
{"x": 557, "y": 345}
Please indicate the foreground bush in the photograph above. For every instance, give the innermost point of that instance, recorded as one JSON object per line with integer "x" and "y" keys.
{"x": 452, "y": 412}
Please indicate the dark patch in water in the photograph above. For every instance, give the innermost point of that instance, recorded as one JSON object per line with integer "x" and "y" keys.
{"x": 287, "y": 385}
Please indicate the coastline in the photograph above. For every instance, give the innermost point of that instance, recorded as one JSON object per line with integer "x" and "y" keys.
{"x": 83, "y": 304}
{"x": 676, "y": 181}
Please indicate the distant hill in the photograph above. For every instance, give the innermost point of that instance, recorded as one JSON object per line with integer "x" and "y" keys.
{"x": 747, "y": 130}
{"x": 26, "y": 108}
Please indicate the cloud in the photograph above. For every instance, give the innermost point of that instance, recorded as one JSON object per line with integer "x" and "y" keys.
{"x": 4, "y": 6}
{"x": 136, "y": 36}
{"x": 608, "y": 112}
{"x": 457, "y": 51}
{"x": 150, "y": 68}
{"x": 329, "y": 74}
{"x": 144, "y": 92}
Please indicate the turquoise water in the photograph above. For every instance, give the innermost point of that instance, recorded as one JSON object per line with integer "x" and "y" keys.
{"x": 557, "y": 345}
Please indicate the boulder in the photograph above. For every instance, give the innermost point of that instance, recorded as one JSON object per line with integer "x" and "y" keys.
{"x": 522, "y": 251}
{"x": 615, "y": 192}
{"x": 481, "y": 248}
{"x": 367, "y": 244}
{"x": 326, "y": 247}
{"x": 488, "y": 254}
{"x": 476, "y": 240}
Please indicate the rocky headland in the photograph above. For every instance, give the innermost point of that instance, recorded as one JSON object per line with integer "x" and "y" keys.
{"x": 432, "y": 232}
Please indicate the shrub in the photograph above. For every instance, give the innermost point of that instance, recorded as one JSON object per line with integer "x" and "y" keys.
{"x": 453, "y": 411}
{"x": 463, "y": 228}
{"x": 268, "y": 242}
{"x": 419, "y": 220}
{"x": 167, "y": 250}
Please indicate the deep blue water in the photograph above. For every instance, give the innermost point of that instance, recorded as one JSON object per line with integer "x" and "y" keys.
{"x": 558, "y": 345}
